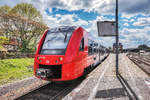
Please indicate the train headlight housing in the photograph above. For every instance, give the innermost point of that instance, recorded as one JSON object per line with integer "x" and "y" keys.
{"x": 44, "y": 73}
{"x": 60, "y": 58}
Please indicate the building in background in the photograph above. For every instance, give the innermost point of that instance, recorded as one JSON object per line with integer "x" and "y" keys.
{"x": 120, "y": 47}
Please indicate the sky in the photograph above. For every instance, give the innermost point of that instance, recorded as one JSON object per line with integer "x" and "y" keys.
{"x": 134, "y": 17}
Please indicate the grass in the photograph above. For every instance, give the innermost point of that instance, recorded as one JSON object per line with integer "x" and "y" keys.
{"x": 15, "y": 69}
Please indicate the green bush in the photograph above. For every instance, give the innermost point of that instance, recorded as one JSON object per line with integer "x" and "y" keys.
{"x": 3, "y": 40}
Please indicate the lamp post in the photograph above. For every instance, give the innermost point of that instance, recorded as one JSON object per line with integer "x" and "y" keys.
{"x": 117, "y": 38}
{"x": 107, "y": 28}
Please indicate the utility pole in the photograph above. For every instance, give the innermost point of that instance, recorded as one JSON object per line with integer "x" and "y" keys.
{"x": 117, "y": 38}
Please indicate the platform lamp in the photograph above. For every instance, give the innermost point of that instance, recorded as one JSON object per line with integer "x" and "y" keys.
{"x": 117, "y": 39}
{"x": 109, "y": 29}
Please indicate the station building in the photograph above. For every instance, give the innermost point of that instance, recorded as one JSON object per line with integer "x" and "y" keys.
{"x": 120, "y": 47}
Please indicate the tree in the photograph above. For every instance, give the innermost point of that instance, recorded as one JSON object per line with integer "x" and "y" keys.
{"x": 143, "y": 47}
{"x": 27, "y": 11}
{"x": 5, "y": 9}
{"x": 21, "y": 23}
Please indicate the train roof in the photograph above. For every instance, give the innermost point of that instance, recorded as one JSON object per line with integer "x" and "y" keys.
{"x": 63, "y": 29}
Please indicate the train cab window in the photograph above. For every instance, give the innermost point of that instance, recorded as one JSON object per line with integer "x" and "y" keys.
{"x": 56, "y": 41}
{"x": 82, "y": 45}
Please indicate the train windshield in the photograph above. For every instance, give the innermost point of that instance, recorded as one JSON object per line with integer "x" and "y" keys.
{"x": 56, "y": 41}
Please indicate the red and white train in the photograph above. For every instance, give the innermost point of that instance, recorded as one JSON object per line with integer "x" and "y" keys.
{"x": 65, "y": 53}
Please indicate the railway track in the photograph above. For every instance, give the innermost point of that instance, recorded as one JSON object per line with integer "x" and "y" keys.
{"x": 51, "y": 91}
{"x": 142, "y": 62}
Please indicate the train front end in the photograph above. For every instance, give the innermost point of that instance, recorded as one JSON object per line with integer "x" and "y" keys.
{"x": 50, "y": 56}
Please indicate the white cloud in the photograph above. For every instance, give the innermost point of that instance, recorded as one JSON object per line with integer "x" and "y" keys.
{"x": 144, "y": 21}
{"x": 134, "y": 6}
{"x": 59, "y": 20}
{"x": 135, "y": 37}
{"x": 129, "y": 17}
{"x": 132, "y": 20}
{"x": 126, "y": 24}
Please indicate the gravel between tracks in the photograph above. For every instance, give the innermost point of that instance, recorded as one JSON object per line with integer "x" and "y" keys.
{"x": 16, "y": 89}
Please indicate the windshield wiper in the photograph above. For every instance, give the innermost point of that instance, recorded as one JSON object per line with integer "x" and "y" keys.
{"x": 65, "y": 37}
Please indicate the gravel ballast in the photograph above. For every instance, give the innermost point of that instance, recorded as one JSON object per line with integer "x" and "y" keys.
{"x": 13, "y": 90}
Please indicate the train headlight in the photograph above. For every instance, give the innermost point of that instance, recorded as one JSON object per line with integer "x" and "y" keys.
{"x": 60, "y": 58}
{"x": 40, "y": 60}
{"x": 56, "y": 61}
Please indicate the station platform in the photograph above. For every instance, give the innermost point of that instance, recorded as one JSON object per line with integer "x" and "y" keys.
{"x": 103, "y": 84}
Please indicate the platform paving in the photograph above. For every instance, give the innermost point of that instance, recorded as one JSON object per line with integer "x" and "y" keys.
{"x": 102, "y": 84}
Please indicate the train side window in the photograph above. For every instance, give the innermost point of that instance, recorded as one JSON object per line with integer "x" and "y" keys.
{"x": 82, "y": 45}
{"x": 90, "y": 46}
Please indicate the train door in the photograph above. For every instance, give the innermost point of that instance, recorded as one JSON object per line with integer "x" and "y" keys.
{"x": 99, "y": 54}
{"x": 81, "y": 51}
